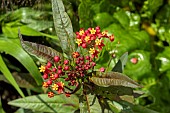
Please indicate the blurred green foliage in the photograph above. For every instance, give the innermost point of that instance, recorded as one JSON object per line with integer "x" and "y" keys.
{"x": 141, "y": 28}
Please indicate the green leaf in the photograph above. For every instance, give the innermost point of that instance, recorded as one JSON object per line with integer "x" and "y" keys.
{"x": 94, "y": 107}
{"x": 119, "y": 67}
{"x": 9, "y": 77}
{"x": 1, "y": 109}
{"x": 16, "y": 51}
{"x": 9, "y": 32}
{"x": 153, "y": 5}
{"x": 141, "y": 68}
{"x": 85, "y": 15}
{"x": 128, "y": 40}
{"x": 123, "y": 18}
{"x": 63, "y": 27}
{"x": 164, "y": 57}
{"x": 40, "y": 25}
{"x": 100, "y": 19}
{"x": 114, "y": 79}
{"x": 59, "y": 103}
{"x": 21, "y": 110}
{"x": 23, "y": 80}
{"x": 131, "y": 108}
{"x": 39, "y": 50}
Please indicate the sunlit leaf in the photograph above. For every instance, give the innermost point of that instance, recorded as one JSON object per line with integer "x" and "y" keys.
{"x": 17, "y": 52}
{"x": 63, "y": 27}
{"x": 141, "y": 67}
{"x": 164, "y": 57}
{"x": 123, "y": 18}
{"x": 115, "y": 79}
{"x": 59, "y": 103}
{"x": 9, "y": 77}
{"x": 101, "y": 18}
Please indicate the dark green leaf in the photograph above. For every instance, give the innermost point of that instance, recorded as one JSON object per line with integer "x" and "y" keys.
{"x": 24, "y": 80}
{"x": 115, "y": 79}
{"x": 39, "y": 50}
{"x": 1, "y": 109}
{"x": 85, "y": 15}
{"x": 57, "y": 104}
{"x": 119, "y": 67}
{"x": 9, "y": 77}
{"x": 63, "y": 27}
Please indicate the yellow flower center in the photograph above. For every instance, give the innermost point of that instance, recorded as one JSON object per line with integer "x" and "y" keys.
{"x": 104, "y": 33}
{"x": 81, "y": 32}
{"x": 78, "y": 41}
{"x": 92, "y": 51}
{"x": 92, "y": 31}
{"x": 55, "y": 87}
{"x": 98, "y": 42}
{"x": 42, "y": 68}
{"x": 87, "y": 38}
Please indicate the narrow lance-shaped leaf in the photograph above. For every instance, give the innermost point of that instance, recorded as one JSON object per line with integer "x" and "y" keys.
{"x": 38, "y": 50}
{"x": 1, "y": 108}
{"x": 23, "y": 80}
{"x": 9, "y": 77}
{"x": 115, "y": 79}
{"x": 17, "y": 52}
{"x": 63, "y": 27}
{"x": 119, "y": 67}
{"x": 57, "y": 104}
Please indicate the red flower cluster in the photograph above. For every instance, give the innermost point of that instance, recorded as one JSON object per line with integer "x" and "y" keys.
{"x": 92, "y": 39}
{"x": 52, "y": 72}
{"x": 58, "y": 72}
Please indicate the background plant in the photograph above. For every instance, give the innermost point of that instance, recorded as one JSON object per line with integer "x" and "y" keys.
{"x": 142, "y": 28}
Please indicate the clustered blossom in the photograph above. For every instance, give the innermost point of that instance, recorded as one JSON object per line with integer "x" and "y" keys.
{"x": 72, "y": 71}
{"x": 92, "y": 39}
{"x": 63, "y": 69}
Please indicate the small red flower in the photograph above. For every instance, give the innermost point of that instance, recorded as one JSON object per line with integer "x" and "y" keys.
{"x": 66, "y": 68}
{"x": 67, "y": 94}
{"x": 111, "y": 38}
{"x": 60, "y": 87}
{"x": 66, "y": 62}
{"x": 76, "y": 54}
{"x": 45, "y": 76}
{"x": 56, "y": 58}
{"x": 49, "y": 82}
{"x": 50, "y": 94}
{"x": 102, "y": 69}
{"x": 49, "y": 64}
{"x": 45, "y": 84}
{"x": 93, "y": 52}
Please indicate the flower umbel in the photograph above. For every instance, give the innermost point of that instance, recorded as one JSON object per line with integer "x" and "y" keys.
{"x": 75, "y": 70}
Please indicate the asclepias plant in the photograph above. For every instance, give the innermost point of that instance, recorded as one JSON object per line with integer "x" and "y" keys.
{"x": 72, "y": 78}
